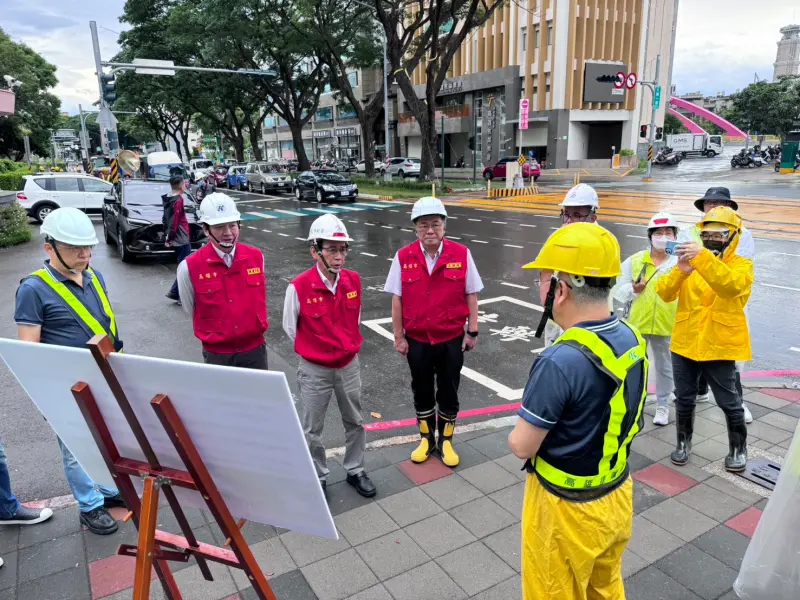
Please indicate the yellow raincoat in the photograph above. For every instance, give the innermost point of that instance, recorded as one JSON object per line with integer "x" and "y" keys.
{"x": 710, "y": 323}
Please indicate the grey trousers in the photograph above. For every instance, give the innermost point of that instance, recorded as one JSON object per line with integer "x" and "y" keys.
{"x": 315, "y": 386}
{"x": 662, "y": 361}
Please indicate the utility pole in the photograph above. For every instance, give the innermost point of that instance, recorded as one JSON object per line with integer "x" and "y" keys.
{"x": 84, "y": 141}
{"x": 108, "y": 129}
{"x": 652, "y": 85}
{"x": 387, "y": 143}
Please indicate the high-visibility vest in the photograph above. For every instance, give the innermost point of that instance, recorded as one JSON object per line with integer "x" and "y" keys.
{"x": 649, "y": 313}
{"x": 615, "y": 441}
{"x": 77, "y": 307}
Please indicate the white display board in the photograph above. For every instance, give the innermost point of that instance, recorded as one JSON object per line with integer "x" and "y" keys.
{"x": 242, "y": 421}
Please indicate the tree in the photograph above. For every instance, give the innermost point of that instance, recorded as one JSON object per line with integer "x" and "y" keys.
{"x": 672, "y": 124}
{"x": 770, "y": 108}
{"x": 37, "y": 110}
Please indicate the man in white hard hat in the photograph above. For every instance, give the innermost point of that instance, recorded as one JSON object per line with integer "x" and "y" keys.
{"x": 322, "y": 316}
{"x": 222, "y": 287}
{"x": 66, "y": 303}
{"x": 434, "y": 285}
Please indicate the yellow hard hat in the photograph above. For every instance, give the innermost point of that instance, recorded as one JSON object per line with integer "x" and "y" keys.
{"x": 585, "y": 249}
{"x": 723, "y": 215}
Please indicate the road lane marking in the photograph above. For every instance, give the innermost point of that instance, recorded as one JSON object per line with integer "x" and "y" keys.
{"x": 253, "y": 201}
{"x": 322, "y": 210}
{"x": 787, "y": 254}
{"x": 410, "y": 231}
{"x": 554, "y": 228}
{"x": 484, "y": 209}
{"x": 290, "y": 212}
{"x": 631, "y": 225}
{"x": 499, "y": 222}
{"x": 450, "y": 237}
{"x": 512, "y": 246}
{"x": 641, "y": 237}
{"x": 550, "y": 216}
{"x": 387, "y": 227}
{"x": 249, "y": 227}
{"x": 370, "y": 224}
{"x": 352, "y": 221}
{"x": 266, "y": 231}
{"x": 514, "y": 285}
{"x": 283, "y": 234}
{"x": 480, "y": 242}
{"x": 393, "y": 210}
{"x": 390, "y": 259}
{"x": 368, "y": 254}
{"x": 782, "y": 287}
{"x": 301, "y": 239}
{"x": 448, "y": 217}
{"x": 476, "y": 220}
{"x": 262, "y": 215}
{"x": 373, "y": 205}
{"x": 526, "y": 225}
{"x": 793, "y": 349}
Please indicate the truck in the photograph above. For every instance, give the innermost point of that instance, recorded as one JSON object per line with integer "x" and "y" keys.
{"x": 703, "y": 144}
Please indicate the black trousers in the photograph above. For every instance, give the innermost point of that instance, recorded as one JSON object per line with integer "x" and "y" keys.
{"x": 721, "y": 378}
{"x": 702, "y": 387}
{"x": 252, "y": 359}
{"x": 438, "y": 364}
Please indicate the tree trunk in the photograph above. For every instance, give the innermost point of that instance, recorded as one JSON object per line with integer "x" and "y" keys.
{"x": 299, "y": 147}
{"x": 254, "y": 142}
{"x": 238, "y": 147}
{"x": 185, "y": 136}
{"x": 368, "y": 135}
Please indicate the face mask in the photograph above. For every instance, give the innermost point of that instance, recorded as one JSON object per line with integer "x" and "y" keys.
{"x": 659, "y": 242}
{"x": 716, "y": 246}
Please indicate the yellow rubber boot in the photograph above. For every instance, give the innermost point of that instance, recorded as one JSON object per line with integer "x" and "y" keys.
{"x": 427, "y": 444}
{"x": 447, "y": 426}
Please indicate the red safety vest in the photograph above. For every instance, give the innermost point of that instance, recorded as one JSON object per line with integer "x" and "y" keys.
{"x": 434, "y": 306}
{"x": 230, "y": 304}
{"x": 328, "y": 332}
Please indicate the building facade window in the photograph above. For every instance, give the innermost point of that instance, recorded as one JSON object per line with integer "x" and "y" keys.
{"x": 536, "y": 31}
{"x": 353, "y": 78}
{"x": 523, "y": 40}
{"x": 324, "y": 114}
{"x": 347, "y": 112}
{"x": 549, "y": 35}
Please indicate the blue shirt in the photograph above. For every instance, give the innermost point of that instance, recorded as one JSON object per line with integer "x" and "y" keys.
{"x": 38, "y": 304}
{"x": 570, "y": 396}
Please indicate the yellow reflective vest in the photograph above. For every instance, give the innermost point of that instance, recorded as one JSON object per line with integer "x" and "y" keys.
{"x": 649, "y": 313}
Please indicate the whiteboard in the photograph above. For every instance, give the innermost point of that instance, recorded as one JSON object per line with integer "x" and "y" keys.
{"x": 242, "y": 421}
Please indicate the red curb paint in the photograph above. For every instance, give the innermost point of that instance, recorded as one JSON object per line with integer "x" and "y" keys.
{"x": 745, "y": 522}
{"x": 665, "y": 480}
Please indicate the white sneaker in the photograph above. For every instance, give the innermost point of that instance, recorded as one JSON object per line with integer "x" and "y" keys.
{"x": 701, "y": 398}
{"x": 662, "y": 416}
{"x": 748, "y": 416}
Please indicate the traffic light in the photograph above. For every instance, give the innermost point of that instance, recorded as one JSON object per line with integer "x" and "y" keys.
{"x": 471, "y": 143}
{"x": 659, "y": 133}
{"x": 109, "y": 88}
{"x": 643, "y": 131}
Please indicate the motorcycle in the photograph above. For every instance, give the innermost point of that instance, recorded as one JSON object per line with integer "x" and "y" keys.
{"x": 667, "y": 156}
{"x": 742, "y": 159}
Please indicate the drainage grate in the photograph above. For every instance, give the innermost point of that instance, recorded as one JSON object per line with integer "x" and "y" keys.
{"x": 762, "y": 471}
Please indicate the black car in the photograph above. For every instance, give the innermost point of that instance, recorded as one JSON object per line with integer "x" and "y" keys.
{"x": 132, "y": 219}
{"x": 322, "y": 185}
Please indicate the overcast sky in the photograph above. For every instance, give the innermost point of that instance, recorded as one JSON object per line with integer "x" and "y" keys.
{"x": 720, "y": 44}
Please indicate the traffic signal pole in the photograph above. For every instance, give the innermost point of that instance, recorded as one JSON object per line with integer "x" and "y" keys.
{"x": 108, "y": 131}
{"x": 652, "y": 85}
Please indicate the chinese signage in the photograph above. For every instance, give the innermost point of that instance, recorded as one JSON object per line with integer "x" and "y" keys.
{"x": 344, "y": 131}
{"x": 321, "y": 133}
{"x": 523, "y": 113}
{"x": 451, "y": 87}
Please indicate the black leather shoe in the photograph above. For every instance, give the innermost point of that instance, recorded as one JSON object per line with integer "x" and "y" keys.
{"x": 99, "y": 521}
{"x": 363, "y": 485}
{"x": 113, "y": 502}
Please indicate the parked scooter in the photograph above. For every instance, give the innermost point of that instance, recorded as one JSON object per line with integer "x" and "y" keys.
{"x": 667, "y": 156}
{"x": 742, "y": 159}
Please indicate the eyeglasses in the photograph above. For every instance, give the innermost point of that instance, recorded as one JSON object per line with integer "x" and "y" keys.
{"x": 573, "y": 217}
{"x": 427, "y": 226}
{"x": 75, "y": 249}
{"x": 336, "y": 251}
{"x": 713, "y": 236}
{"x": 226, "y": 227}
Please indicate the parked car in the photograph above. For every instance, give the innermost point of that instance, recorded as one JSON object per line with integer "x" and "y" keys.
{"x": 132, "y": 215}
{"x": 264, "y": 176}
{"x": 401, "y": 167}
{"x": 236, "y": 179}
{"x": 361, "y": 166}
{"x": 322, "y": 185}
{"x": 529, "y": 169}
{"x": 43, "y": 193}
{"x": 199, "y": 167}
{"x": 220, "y": 175}
{"x": 293, "y": 166}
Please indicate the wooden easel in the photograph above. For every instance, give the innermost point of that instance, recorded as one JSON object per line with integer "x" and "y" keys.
{"x": 156, "y": 547}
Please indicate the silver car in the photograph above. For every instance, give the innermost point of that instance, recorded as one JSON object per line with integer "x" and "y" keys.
{"x": 264, "y": 177}
{"x": 401, "y": 167}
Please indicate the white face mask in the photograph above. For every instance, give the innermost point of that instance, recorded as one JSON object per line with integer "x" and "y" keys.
{"x": 659, "y": 242}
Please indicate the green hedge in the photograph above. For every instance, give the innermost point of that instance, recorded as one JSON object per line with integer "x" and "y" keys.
{"x": 11, "y": 181}
{"x": 626, "y": 152}
{"x": 14, "y": 227}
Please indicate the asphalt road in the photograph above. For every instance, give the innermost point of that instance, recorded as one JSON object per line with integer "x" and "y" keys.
{"x": 500, "y": 240}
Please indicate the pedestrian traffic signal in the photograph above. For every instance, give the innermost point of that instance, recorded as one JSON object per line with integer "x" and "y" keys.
{"x": 471, "y": 143}
{"x": 108, "y": 88}
{"x": 643, "y": 131}
{"x": 659, "y": 133}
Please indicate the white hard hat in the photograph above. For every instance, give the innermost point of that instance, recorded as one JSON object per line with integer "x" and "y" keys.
{"x": 328, "y": 227}
{"x": 662, "y": 219}
{"x": 218, "y": 208}
{"x": 69, "y": 226}
{"x": 426, "y": 206}
{"x": 581, "y": 195}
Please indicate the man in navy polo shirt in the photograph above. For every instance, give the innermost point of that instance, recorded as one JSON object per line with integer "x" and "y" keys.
{"x": 65, "y": 303}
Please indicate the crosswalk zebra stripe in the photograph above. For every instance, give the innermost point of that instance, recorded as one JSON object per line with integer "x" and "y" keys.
{"x": 290, "y": 212}
{"x": 262, "y": 215}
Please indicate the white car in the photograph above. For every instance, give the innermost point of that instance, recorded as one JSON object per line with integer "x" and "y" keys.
{"x": 401, "y": 167}
{"x": 43, "y": 193}
{"x": 199, "y": 168}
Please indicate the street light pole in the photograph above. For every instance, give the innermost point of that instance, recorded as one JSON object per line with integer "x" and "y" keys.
{"x": 387, "y": 141}
{"x": 108, "y": 137}
{"x": 84, "y": 141}
{"x": 651, "y": 139}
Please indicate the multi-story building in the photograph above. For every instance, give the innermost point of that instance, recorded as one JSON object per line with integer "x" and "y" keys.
{"x": 563, "y": 56}
{"x": 787, "y": 59}
{"x": 717, "y": 104}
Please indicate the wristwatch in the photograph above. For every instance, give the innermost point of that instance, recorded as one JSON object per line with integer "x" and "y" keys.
{"x": 473, "y": 334}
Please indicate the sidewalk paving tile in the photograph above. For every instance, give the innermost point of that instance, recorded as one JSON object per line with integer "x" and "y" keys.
{"x": 679, "y": 519}
{"x": 785, "y": 444}
{"x": 72, "y": 584}
{"x": 665, "y": 433}
{"x": 632, "y": 564}
{"x": 746, "y": 522}
{"x": 667, "y": 481}
{"x": 339, "y": 576}
{"x": 475, "y": 568}
{"x": 494, "y": 445}
{"x": 63, "y": 522}
{"x": 780, "y": 420}
{"x": 409, "y": 507}
{"x": 431, "y": 470}
{"x": 793, "y": 410}
{"x": 364, "y": 524}
{"x": 703, "y": 574}
{"x": 389, "y": 481}
{"x": 112, "y": 574}
{"x": 468, "y": 456}
{"x": 767, "y": 399}
{"x": 421, "y": 582}
{"x": 343, "y": 497}
{"x": 792, "y": 395}
{"x": 777, "y": 450}
{"x": 760, "y": 444}
{"x": 45, "y": 559}
{"x": 483, "y": 517}
{"x": 762, "y": 504}
{"x": 8, "y": 574}
{"x": 711, "y": 450}
{"x": 651, "y": 542}
{"x": 9, "y": 538}
{"x": 489, "y": 477}
{"x": 689, "y": 469}
{"x": 764, "y": 431}
{"x": 637, "y": 462}
{"x": 507, "y": 544}
{"x": 392, "y": 554}
{"x": 706, "y": 428}
{"x": 289, "y": 585}
{"x": 9, "y": 594}
{"x": 711, "y": 502}
{"x": 651, "y": 447}
{"x": 723, "y": 485}
{"x": 102, "y": 546}
{"x": 513, "y": 465}
{"x": 724, "y": 544}
{"x": 511, "y": 498}
{"x": 451, "y": 491}
{"x": 652, "y": 584}
{"x": 439, "y": 534}
{"x": 645, "y": 497}
{"x": 156, "y": 593}
{"x": 377, "y": 592}
{"x": 273, "y": 559}
{"x": 306, "y": 549}
{"x": 192, "y": 579}
{"x": 510, "y": 588}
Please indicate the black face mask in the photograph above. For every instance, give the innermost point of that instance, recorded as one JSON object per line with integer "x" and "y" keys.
{"x": 716, "y": 246}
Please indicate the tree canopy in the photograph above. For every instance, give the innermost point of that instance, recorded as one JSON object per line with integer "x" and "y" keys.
{"x": 769, "y": 108}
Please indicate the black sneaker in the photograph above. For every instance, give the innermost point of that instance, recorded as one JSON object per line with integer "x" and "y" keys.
{"x": 362, "y": 483}
{"x": 113, "y": 502}
{"x": 27, "y": 516}
{"x": 172, "y": 296}
{"x": 99, "y": 521}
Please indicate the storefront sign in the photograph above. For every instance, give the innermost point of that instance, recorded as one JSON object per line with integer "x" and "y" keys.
{"x": 344, "y": 131}
{"x": 451, "y": 87}
{"x": 321, "y": 133}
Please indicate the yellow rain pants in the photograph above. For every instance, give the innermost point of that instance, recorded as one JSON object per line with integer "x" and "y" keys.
{"x": 573, "y": 550}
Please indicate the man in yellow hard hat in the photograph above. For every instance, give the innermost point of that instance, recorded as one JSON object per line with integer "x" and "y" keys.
{"x": 712, "y": 284}
{"x": 581, "y": 408}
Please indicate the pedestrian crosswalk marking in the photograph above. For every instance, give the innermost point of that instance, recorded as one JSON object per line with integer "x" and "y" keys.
{"x": 262, "y": 215}
{"x": 323, "y": 210}
{"x": 374, "y": 205}
{"x": 280, "y": 213}
{"x": 291, "y": 213}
